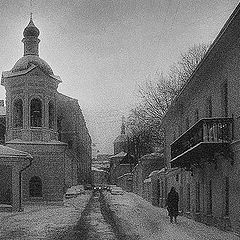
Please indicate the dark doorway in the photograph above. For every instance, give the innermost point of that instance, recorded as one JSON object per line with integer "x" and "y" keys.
{"x": 5, "y": 184}
{"x": 35, "y": 187}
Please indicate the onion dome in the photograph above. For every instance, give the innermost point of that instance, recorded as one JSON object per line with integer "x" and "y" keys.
{"x": 26, "y": 61}
{"x": 31, "y": 30}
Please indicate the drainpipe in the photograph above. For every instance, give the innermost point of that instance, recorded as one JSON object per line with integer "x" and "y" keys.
{"x": 20, "y": 184}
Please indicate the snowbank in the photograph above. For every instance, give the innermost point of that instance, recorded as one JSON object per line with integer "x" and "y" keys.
{"x": 140, "y": 220}
{"x": 39, "y": 221}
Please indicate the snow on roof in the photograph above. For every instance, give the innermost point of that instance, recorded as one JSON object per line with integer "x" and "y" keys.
{"x": 10, "y": 152}
{"x": 97, "y": 169}
{"x": 121, "y": 154}
{"x": 153, "y": 173}
{"x": 147, "y": 180}
{"x": 151, "y": 156}
{"x": 162, "y": 170}
{"x": 125, "y": 175}
{"x": 52, "y": 142}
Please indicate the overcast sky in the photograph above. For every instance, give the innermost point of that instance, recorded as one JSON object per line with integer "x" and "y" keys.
{"x": 103, "y": 49}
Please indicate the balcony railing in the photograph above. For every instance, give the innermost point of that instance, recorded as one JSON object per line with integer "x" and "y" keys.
{"x": 207, "y": 130}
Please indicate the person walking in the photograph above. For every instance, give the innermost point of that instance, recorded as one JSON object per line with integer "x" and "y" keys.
{"x": 172, "y": 204}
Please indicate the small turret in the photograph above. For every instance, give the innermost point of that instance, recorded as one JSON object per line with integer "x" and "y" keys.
{"x": 30, "y": 40}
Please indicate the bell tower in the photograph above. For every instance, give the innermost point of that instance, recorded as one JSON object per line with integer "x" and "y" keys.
{"x": 31, "y": 89}
{"x": 31, "y": 120}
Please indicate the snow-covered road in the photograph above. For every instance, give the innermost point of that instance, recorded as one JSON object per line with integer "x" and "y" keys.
{"x": 138, "y": 219}
{"x": 93, "y": 224}
{"x": 130, "y": 218}
{"x": 42, "y": 221}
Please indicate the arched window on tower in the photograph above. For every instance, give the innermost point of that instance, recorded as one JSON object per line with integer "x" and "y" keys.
{"x": 36, "y": 113}
{"x": 18, "y": 113}
{"x": 51, "y": 114}
{"x": 35, "y": 187}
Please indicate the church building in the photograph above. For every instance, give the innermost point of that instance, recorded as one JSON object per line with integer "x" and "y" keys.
{"x": 46, "y": 124}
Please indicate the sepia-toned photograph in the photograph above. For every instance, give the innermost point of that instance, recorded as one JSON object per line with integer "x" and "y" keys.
{"x": 120, "y": 120}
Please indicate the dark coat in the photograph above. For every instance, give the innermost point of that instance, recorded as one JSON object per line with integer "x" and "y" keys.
{"x": 172, "y": 203}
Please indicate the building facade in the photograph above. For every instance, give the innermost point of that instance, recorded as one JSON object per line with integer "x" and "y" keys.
{"x": 46, "y": 124}
{"x": 202, "y": 136}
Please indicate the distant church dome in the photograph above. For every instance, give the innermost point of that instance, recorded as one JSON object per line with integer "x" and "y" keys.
{"x": 25, "y": 62}
{"x": 31, "y": 30}
{"x": 122, "y": 138}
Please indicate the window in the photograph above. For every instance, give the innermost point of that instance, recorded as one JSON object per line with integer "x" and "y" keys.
{"x": 227, "y": 196}
{"x": 177, "y": 177}
{"x": 35, "y": 187}
{"x": 188, "y": 198}
{"x": 187, "y": 123}
{"x": 198, "y": 197}
{"x": 179, "y": 130}
{"x": 18, "y": 113}
{"x": 2, "y": 133}
{"x": 174, "y": 136}
{"x": 70, "y": 144}
{"x": 51, "y": 114}
{"x": 210, "y": 198}
{"x": 59, "y": 127}
{"x": 196, "y": 115}
{"x": 209, "y": 107}
{"x": 224, "y": 99}
{"x": 162, "y": 194}
{"x": 36, "y": 113}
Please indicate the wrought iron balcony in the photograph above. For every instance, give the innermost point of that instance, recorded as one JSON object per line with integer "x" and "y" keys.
{"x": 202, "y": 140}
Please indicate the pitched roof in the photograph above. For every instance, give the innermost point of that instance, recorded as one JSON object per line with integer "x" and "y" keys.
{"x": 10, "y": 152}
{"x": 151, "y": 156}
{"x": 153, "y": 173}
{"x": 119, "y": 155}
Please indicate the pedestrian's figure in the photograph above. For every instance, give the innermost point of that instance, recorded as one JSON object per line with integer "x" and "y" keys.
{"x": 172, "y": 204}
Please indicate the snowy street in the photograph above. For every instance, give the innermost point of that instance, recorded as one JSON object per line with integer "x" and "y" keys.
{"x": 138, "y": 219}
{"x": 90, "y": 217}
{"x": 42, "y": 221}
{"x": 93, "y": 224}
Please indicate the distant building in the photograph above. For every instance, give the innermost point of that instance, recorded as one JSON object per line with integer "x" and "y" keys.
{"x": 44, "y": 123}
{"x": 101, "y": 162}
{"x": 122, "y": 162}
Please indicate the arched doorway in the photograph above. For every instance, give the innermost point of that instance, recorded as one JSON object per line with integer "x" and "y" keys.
{"x": 35, "y": 187}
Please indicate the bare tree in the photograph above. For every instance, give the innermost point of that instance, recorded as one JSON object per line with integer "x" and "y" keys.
{"x": 181, "y": 71}
{"x": 156, "y": 97}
